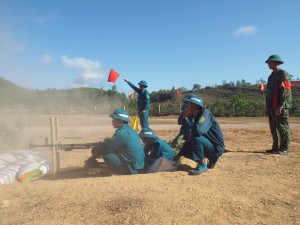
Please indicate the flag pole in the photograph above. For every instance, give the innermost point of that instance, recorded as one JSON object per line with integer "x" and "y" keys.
{"x": 178, "y": 95}
{"x": 262, "y": 90}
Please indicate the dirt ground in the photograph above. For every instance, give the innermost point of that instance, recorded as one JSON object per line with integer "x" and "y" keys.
{"x": 246, "y": 187}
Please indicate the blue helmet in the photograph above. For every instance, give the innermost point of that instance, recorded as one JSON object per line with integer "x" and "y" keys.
{"x": 143, "y": 83}
{"x": 120, "y": 114}
{"x": 195, "y": 99}
{"x": 147, "y": 133}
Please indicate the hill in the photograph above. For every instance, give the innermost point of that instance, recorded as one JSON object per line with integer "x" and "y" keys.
{"x": 242, "y": 99}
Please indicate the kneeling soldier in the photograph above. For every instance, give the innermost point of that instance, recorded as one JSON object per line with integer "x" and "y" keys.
{"x": 123, "y": 152}
{"x": 154, "y": 147}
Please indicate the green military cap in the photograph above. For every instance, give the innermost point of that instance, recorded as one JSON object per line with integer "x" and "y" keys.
{"x": 275, "y": 58}
{"x": 143, "y": 83}
{"x": 120, "y": 114}
{"x": 147, "y": 133}
{"x": 194, "y": 99}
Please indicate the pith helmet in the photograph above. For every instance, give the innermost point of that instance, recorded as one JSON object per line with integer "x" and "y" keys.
{"x": 194, "y": 99}
{"x": 120, "y": 114}
{"x": 147, "y": 133}
{"x": 143, "y": 82}
{"x": 275, "y": 58}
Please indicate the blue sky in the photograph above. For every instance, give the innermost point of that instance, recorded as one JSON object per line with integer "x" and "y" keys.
{"x": 168, "y": 43}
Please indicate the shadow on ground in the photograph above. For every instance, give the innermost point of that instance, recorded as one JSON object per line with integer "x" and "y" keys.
{"x": 246, "y": 151}
{"x": 79, "y": 172}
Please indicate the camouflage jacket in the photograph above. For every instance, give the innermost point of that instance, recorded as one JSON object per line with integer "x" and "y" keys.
{"x": 279, "y": 90}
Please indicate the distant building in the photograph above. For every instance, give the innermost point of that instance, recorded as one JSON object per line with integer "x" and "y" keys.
{"x": 295, "y": 83}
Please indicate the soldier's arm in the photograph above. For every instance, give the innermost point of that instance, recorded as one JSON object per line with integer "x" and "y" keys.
{"x": 203, "y": 125}
{"x": 133, "y": 86}
{"x": 285, "y": 88}
{"x": 112, "y": 144}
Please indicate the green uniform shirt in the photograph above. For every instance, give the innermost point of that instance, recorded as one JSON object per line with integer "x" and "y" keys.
{"x": 143, "y": 98}
{"x": 158, "y": 148}
{"x": 208, "y": 127}
{"x": 127, "y": 144}
{"x": 279, "y": 90}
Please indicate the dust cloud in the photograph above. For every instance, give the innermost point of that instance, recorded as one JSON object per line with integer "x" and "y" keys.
{"x": 24, "y": 111}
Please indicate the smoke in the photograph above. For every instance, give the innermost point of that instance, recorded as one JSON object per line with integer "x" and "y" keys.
{"x": 23, "y": 112}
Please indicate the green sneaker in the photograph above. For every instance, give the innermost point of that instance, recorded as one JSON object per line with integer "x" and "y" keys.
{"x": 199, "y": 169}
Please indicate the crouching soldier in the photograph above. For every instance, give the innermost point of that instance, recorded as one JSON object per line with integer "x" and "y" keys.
{"x": 205, "y": 138}
{"x": 123, "y": 152}
{"x": 185, "y": 122}
{"x": 154, "y": 147}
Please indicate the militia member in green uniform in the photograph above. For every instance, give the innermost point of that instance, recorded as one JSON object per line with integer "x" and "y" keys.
{"x": 143, "y": 101}
{"x": 185, "y": 121}
{"x": 154, "y": 147}
{"x": 205, "y": 138}
{"x": 278, "y": 103}
{"x": 123, "y": 152}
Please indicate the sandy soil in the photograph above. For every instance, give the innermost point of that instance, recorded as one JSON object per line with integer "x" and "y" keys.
{"x": 246, "y": 187}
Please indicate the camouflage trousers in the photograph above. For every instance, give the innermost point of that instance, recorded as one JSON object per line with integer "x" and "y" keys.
{"x": 280, "y": 130}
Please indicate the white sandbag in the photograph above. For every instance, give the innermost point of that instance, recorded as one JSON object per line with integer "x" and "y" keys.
{"x": 32, "y": 171}
{"x": 8, "y": 174}
{"x": 7, "y": 159}
{"x": 15, "y": 164}
{"x": 163, "y": 165}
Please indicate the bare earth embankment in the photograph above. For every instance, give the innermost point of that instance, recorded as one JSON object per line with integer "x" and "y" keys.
{"x": 246, "y": 187}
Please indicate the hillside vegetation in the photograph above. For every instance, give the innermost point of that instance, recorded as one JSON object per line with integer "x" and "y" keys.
{"x": 240, "y": 99}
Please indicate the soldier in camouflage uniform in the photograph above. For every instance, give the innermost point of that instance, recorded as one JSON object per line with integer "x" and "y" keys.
{"x": 278, "y": 103}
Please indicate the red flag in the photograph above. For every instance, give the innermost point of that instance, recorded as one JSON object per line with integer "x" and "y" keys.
{"x": 113, "y": 76}
{"x": 132, "y": 95}
{"x": 178, "y": 93}
{"x": 261, "y": 87}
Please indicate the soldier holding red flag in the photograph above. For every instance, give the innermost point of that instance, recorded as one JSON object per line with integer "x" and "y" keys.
{"x": 278, "y": 103}
{"x": 143, "y": 101}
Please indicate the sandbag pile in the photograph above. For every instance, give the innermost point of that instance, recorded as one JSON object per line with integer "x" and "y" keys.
{"x": 22, "y": 165}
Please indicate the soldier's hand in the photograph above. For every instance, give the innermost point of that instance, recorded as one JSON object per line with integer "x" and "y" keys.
{"x": 185, "y": 114}
{"x": 278, "y": 110}
{"x": 97, "y": 149}
{"x": 91, "y": 163}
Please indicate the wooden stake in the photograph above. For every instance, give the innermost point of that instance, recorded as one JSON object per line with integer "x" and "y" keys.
{"x": 57, "y": 141}
{"x": 54, "y": 124}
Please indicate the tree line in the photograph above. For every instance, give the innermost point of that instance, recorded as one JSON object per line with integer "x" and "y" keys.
{"x": 227, "y": 100}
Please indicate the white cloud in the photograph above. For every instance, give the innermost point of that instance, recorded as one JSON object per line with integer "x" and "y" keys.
{"x": 245, "y": 30}
{"x": 90, "y": 70}
{"x": 42, "y": 20}
{"x": 46, "y": 59}
{"x": 81, "y": 63}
